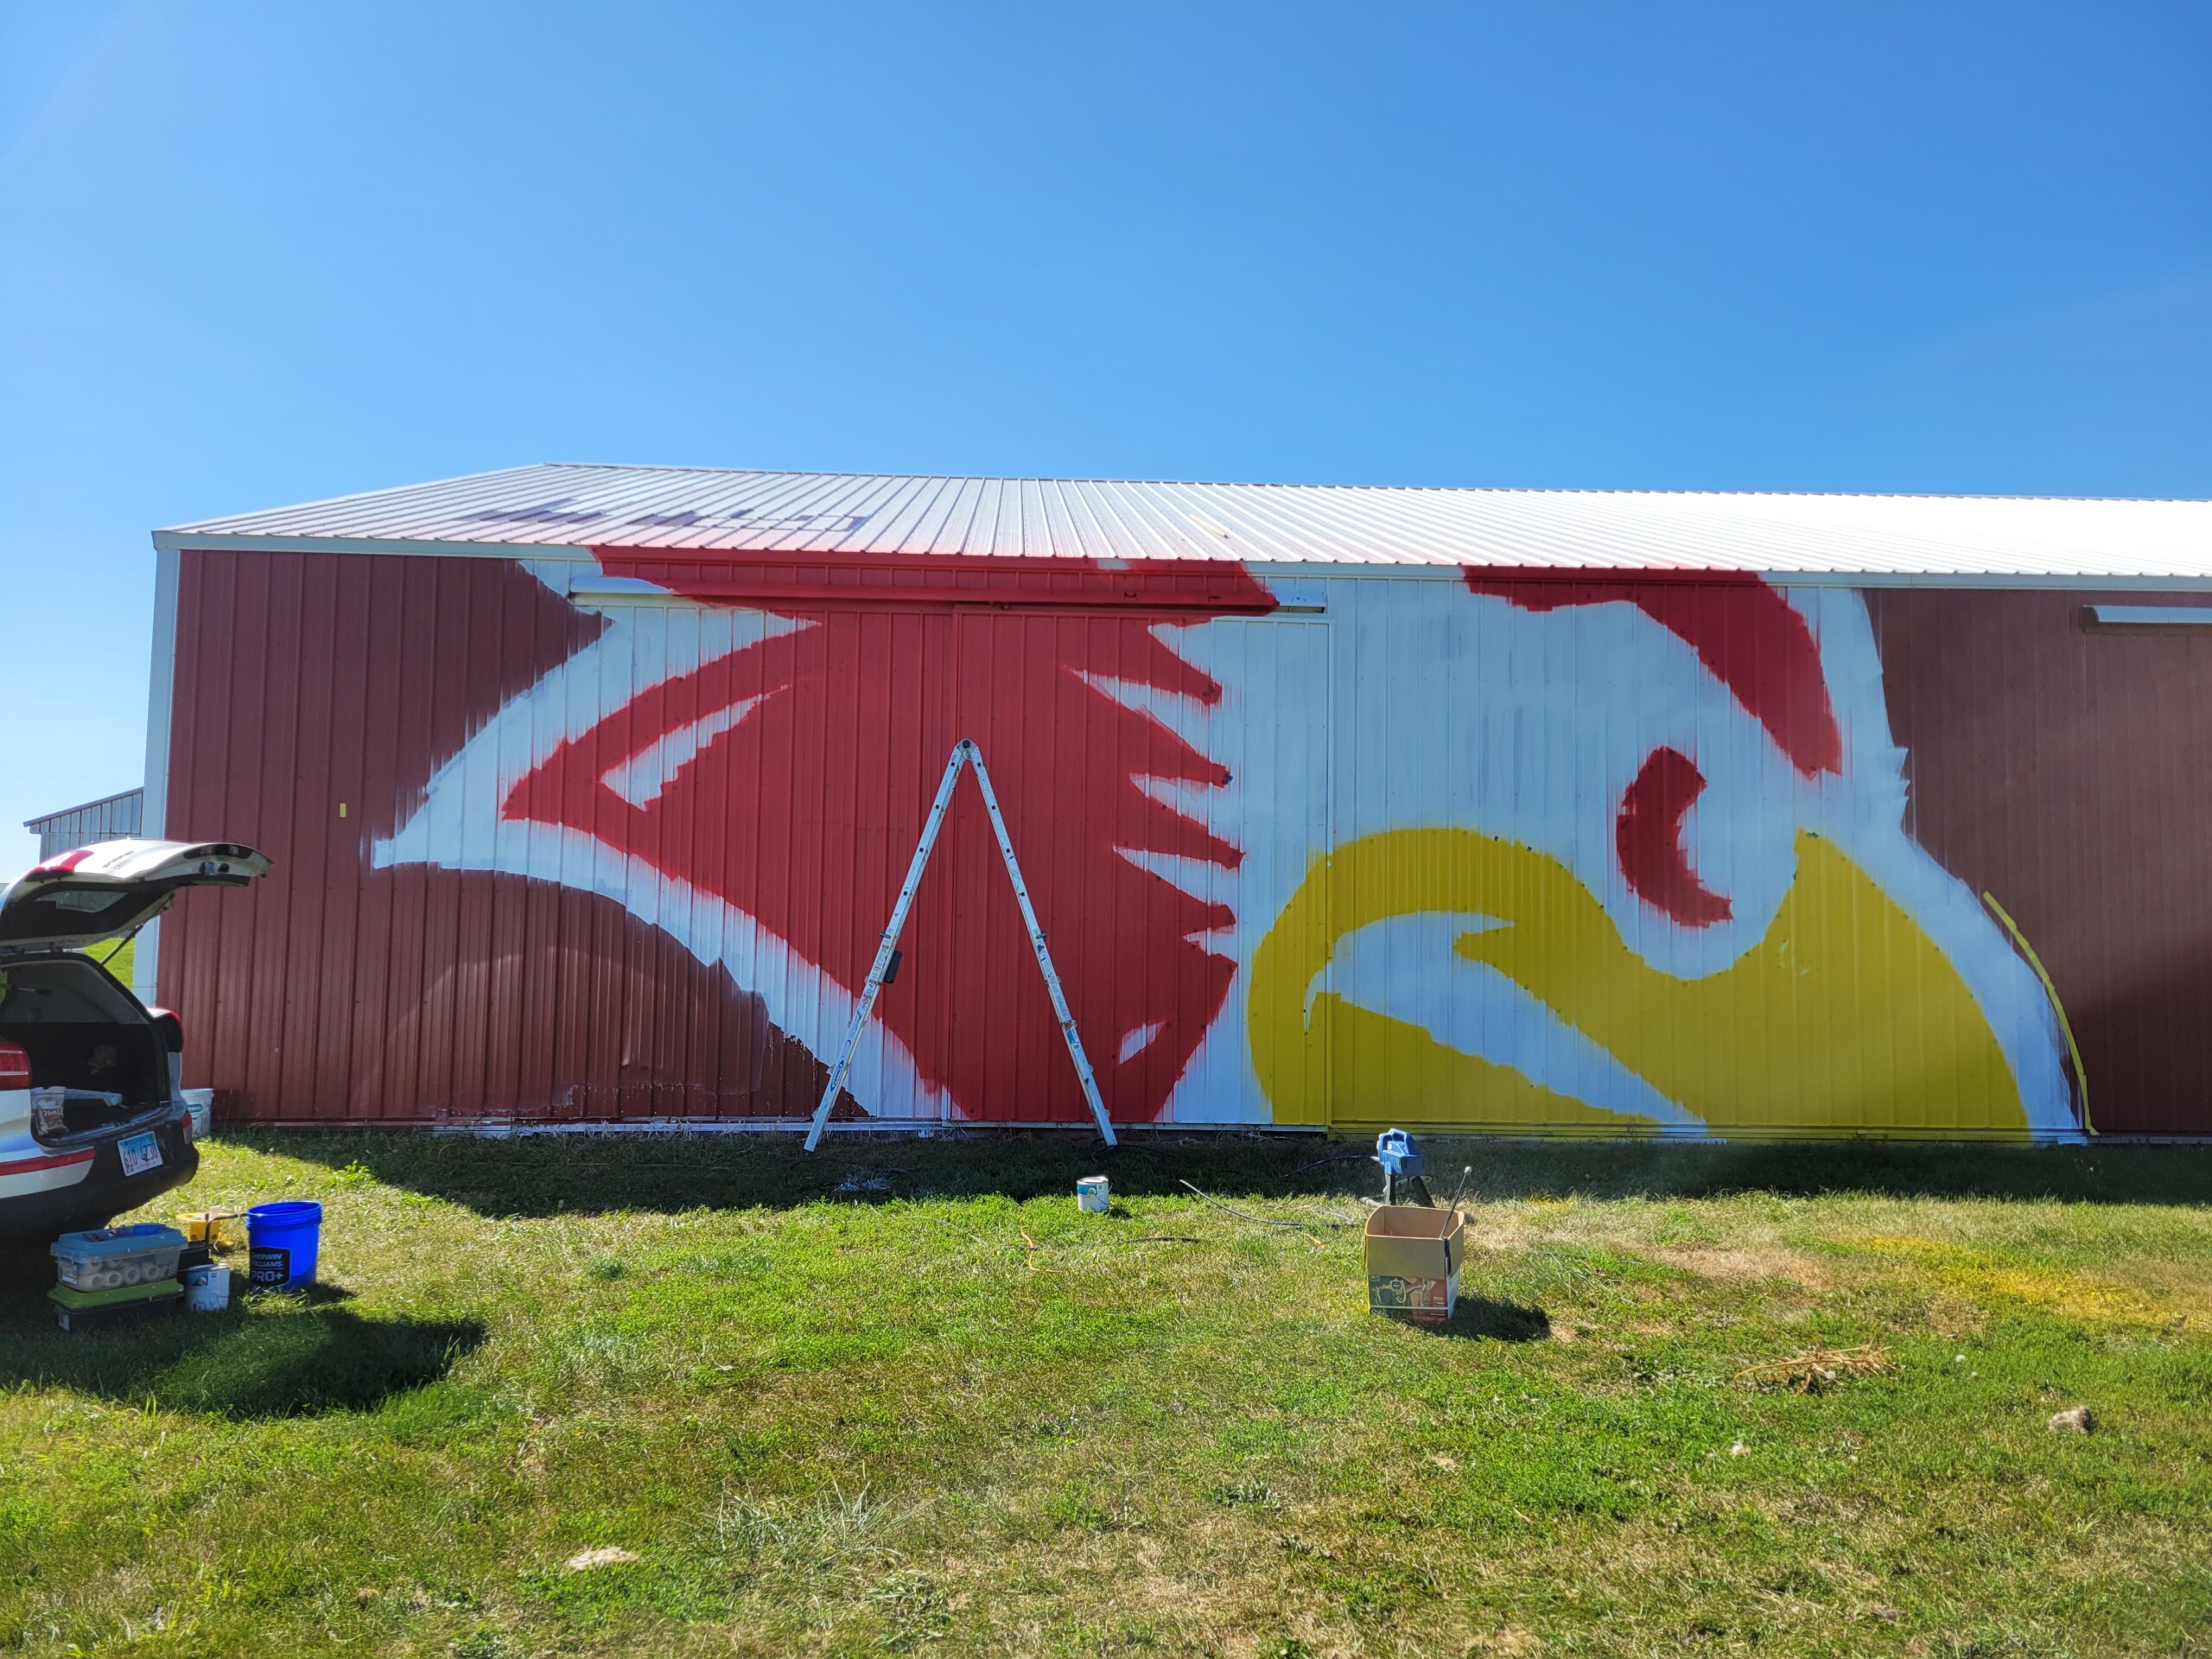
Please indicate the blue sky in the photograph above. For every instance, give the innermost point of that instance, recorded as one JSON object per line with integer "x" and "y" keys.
{"x": 259, "y": 253}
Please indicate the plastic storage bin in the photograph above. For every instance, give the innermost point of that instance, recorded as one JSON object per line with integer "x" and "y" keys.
{"x": 111, "y": 1257}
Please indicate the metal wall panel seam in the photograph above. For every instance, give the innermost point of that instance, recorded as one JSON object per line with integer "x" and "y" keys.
{"x": 276, "y": 771}
{"x": 221, "y": 731}
{"x": 160, "y": 702}
{"x": 383, "y": 624}
{"x": 310, "y": 716}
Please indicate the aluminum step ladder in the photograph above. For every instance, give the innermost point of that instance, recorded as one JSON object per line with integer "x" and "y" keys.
{"x": 965, "y": 754}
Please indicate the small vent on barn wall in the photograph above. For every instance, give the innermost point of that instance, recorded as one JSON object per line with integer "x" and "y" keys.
{"x": 2105, "y": 618}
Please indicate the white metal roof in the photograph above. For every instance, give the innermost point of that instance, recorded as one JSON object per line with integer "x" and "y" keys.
{"x": 561, "y": 506}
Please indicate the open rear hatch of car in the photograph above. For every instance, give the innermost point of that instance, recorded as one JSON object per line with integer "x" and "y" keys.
{"x": 97, "y": 1059}
{"x": 115, "y": 887}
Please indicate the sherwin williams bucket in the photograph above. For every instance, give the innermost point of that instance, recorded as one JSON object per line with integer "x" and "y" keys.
{"x": 282, "y": 1240}
{"x": 1092, "y": 1194}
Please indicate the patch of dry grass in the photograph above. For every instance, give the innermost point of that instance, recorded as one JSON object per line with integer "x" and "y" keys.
{"x": 2167, "y": 1296}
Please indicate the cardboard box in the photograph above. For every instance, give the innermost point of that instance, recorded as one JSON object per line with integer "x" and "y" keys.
{"x": 1414, "y": 1255}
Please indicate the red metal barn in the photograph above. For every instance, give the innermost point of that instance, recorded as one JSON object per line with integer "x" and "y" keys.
{"x": 590, "y": 789}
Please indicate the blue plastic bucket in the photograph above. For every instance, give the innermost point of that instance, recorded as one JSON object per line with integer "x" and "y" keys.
{"x": 282, "y": 1240}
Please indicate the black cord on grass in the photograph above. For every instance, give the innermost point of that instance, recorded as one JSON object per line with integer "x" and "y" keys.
{"x": 1268, "y": 1220}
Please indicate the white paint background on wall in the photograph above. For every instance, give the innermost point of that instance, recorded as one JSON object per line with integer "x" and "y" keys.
{"x": 1530, "y": 726}
{"x": 1453, "y": 709}
{"x": 1413, "y": 705}
{"x": 1271, "y": 731}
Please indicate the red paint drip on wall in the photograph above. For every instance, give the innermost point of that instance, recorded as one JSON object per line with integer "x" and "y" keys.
{"x": 1649, "y": 835}
{"x": 1754, "y": 641}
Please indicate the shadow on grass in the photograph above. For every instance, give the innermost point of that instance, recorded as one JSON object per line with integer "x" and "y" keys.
{"x": 1478, "y": 1317}
{"x": 295, "y": 1355}
{"x": 549, "y": 1174}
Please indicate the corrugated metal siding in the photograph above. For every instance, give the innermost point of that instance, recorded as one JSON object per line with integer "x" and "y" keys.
{"x": 336, "y": 991}
{"x": 1624, "y": 857}
{"x": 107, "y": 819}
{"x": 1521, "y": 853}
{"x": 2068, "y": 773}
{"x": 820, "y": 513}
{"x": 467, "y": 982}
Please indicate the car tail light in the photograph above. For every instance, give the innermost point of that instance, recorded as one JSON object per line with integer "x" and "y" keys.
{"x": 15, "y": 1067}
{"x": 171, "y": 1028}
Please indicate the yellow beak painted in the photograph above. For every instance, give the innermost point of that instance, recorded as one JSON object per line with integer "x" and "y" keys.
{"x": 1847, "y": 1018}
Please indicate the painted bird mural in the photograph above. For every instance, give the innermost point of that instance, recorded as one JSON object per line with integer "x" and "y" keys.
{"x": 1563, "y": 855}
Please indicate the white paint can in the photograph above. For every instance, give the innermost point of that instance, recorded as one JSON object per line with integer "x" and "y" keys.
{"x": 201, "y": 1103}
{"x": 1091, "y": 1195}
{"x": 207, "y": 1287}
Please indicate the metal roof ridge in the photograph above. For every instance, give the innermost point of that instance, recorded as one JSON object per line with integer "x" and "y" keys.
{"x": 1609, "y": 490}
{"x": 1018, "y": 480}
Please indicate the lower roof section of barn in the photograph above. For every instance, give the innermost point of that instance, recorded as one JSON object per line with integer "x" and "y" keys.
{"x": 591, "y": 790}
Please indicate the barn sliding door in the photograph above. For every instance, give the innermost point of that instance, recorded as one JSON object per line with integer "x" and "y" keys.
{"x": 1166, "y": 789}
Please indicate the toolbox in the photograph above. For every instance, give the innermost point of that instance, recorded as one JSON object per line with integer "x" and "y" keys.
{"x": 110, "y": 1258}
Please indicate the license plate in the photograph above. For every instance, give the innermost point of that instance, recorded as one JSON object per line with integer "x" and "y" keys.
{"x": 140, "y": 1152}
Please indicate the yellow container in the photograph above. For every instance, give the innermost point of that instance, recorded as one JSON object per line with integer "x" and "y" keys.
{"x": 218, "y": 1229}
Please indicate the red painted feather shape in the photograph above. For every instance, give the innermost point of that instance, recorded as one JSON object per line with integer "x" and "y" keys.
{"x": 803, "y": 808}
{"x": 1745, "y": 632}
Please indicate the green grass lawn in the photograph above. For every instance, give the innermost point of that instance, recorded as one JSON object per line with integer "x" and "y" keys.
{"x": 941, "y": 1411}
{"x": 120, "y": 958}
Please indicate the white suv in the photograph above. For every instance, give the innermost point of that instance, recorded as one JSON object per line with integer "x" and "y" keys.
{"x": 92, "y": 1119}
